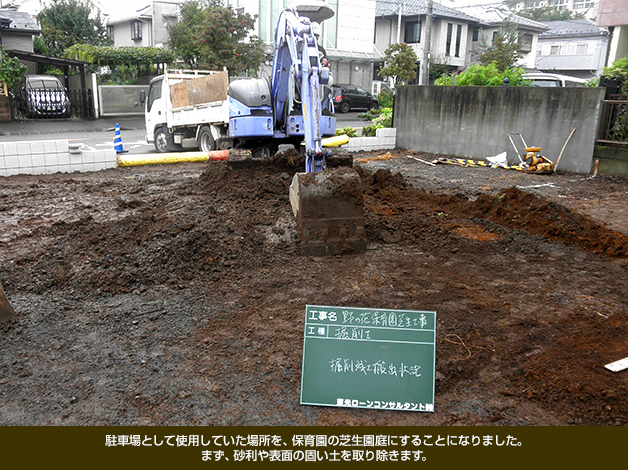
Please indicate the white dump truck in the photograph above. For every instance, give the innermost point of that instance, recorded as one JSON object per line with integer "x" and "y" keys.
{"x": 188, "y": 109}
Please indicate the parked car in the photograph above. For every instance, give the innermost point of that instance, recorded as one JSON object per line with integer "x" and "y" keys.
{"x": 43, "y": 96}
{"x": 554, "y": 80}
{"x": 348, "y": 97}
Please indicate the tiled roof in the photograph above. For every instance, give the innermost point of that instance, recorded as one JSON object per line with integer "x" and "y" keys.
{"x": 20, "y": 21}
{"x": 419, "y": 7}
{"x": 572, "y": 28}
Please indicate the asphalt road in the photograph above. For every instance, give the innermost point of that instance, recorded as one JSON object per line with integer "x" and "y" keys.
{"x": 99, "y": 134}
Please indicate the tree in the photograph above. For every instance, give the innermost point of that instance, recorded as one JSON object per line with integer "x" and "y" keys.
{"x": 11, "y": 70}
{"x": 399, "y": 63}
{"x": 68, "y": 22}
{"x": 504, "y": 50}
{"x": 213, "y": 36}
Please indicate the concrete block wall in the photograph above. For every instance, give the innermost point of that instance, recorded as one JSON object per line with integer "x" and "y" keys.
{"x": 51, "y": 156}
{"x": 475, "y": 122}
{"x": 384, "y": 139}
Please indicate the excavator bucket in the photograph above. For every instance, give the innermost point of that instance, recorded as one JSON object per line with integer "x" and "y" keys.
{"x": 329, "y": 211}
{"x": 6, "y": 311}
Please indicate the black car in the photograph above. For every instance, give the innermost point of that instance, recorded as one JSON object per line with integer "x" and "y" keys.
{"x": 348, "y": 97}
{"x": 43, "y": 96}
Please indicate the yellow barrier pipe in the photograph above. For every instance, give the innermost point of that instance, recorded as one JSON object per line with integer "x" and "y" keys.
{"x": 164, "y": 158}
{"x": 335, "y": 141}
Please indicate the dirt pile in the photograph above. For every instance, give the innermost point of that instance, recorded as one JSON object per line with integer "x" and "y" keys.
{"x": 175, "y": 295}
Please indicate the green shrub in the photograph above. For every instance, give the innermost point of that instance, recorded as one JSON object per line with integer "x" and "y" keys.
{"x": 350, "y": 131}
{"x": 385, "y": 99}
{"x": 483, "y": 75}
{"x": 369, "y": 131}
{"x": 619, "y": 71}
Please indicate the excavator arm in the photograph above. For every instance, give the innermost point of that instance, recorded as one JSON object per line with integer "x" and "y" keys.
{"x": 296, "y": 76}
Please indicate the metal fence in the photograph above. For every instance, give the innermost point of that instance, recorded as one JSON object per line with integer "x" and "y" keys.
{"x": 614, "y": 121}
{"x": 121, "y": 100}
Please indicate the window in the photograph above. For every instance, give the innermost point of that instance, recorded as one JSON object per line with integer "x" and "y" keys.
{"x": 476, "y": 35}
{"x": 412, "y": 32}
{"x": 110, "y": 32}
{"x": 136, "y": 30}
{"x": 559, "y": 4}
{"x": 581, "y": 49}
{"x": 458, "y": 38}
{"x": 582, "y": 4}
{"x": 154, "y": 93}
{"x": 450, "y": 28}
{"x": 555, "y": 50}
{"x": 525, "y": 43}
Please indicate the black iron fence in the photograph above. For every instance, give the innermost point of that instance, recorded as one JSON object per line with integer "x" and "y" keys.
{"x": 614, "y": 121}
{"x": 52, "y": 104}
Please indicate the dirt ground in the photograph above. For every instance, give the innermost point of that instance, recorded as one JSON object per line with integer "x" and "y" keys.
{"x": 175, "y": 294}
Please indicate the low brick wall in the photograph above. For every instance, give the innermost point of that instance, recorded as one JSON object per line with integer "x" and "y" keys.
{"x": 384, "y": 139}
{"x": 51, "y": 156}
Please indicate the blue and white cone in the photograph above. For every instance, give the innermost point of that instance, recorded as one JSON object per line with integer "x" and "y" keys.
{"x": 117, "y": 140}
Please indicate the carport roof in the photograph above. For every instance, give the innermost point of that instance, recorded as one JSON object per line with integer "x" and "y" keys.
{"x": 44, "y": 59}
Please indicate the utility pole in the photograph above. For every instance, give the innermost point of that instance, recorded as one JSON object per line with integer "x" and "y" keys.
{"x": 399, "y": 21}
{"x": 424, "y": 71}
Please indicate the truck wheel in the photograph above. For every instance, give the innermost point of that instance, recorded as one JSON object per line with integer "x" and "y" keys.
{"x": 345, "y": 107}
{"x": 164, "y": 141}
{"x": 206, "y": 141}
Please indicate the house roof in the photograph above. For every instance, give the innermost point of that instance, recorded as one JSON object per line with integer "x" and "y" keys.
{"x": 18, "y": 22}
{"x": 572, "y": 28}
{"x": 145, "y": 13}
{"x": 419, "y": 7}
{"x": 496, "y": 14}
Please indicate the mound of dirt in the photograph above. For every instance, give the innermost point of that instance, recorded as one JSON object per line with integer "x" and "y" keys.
{"x": 174, "y": 295}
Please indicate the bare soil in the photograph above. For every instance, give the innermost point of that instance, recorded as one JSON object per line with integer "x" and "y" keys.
{"x": 175, "y": 294}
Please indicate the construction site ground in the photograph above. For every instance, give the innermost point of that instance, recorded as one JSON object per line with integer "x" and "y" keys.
{"x": 175, "y": 294}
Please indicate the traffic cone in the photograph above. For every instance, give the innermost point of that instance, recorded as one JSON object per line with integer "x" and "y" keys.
{"x": 117, "y": 140}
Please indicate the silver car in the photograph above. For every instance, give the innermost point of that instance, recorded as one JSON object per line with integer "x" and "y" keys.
{"x": 43, "y": 96}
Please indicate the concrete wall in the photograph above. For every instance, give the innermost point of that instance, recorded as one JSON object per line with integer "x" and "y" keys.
{"x": 474, "y": 122}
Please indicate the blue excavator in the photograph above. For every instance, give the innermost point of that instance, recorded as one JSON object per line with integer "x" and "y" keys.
{"x": 290, "y": 109}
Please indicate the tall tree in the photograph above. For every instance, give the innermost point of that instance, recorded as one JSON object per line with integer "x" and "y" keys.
{"x": 68, "y": 22}
{"x": 399, "y": 63}
{"x": 503, "y": 51}
{"x": 214, "y": 36}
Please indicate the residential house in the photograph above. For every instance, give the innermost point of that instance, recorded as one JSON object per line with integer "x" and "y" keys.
{"x": 16, "y": 33}
{"x": 587, "y": 7}
{"x": 613, "y": 14}
{"x": 347, "y": 37}
{"x": 573, "y": 47}
{"x": 146, "y": 27}
{"x": 405, "y": 21}
{"x": 497, "y": 15}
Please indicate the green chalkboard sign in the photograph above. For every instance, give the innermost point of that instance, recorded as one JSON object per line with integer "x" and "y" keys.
{"x": 369, "y": 358}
